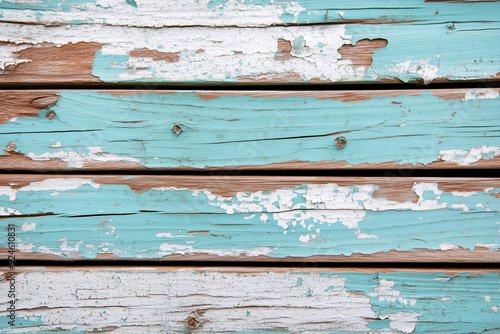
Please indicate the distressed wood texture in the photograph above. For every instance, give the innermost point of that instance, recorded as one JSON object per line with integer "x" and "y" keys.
{"x": 111, "y": 130}
{"x": 152, "y": 41}
{"x": 246, "y": 300}
{"x": 253, "y": 218}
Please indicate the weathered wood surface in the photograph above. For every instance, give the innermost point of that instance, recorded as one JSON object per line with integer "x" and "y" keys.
{"x": 127, "y": 41}
{"x": 109, "y": 130}
{"x": 253, "y": 218}
{"x": 245, "y": 300}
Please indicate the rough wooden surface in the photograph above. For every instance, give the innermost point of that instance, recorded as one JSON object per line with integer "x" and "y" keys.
{"x": 253, "y": 218}
{"x": 245, "y": 300}
{"x": 257, "y": 42}
{"x": 109, "y": 130}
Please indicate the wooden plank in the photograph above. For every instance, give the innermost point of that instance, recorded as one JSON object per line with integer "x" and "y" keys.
{"x": 245, "y": 300}
{"x": 115, "y": 217}
{"x": 248, "y": 42}
{"x": 111, "y": 130}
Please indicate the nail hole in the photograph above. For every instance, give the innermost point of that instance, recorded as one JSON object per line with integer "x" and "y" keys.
{"x": 51, "y": 115}
{"x": 340, "y": 141}
{"x": 176, "y": 130}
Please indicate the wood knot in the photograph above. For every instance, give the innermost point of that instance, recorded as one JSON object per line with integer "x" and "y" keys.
{"x": 51, "y": 115}
{"x": 340, "y": 141}
{"x": 176, "y": 130}
{"x": 193, "y": 323}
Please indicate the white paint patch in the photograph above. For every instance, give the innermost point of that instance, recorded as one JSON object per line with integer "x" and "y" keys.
{"x": 56, "y": 145}
{"x": 304, "y": 238}
{"x": 9, "y": 211}
{"x": 9, "y": 56}
{"x": 59, "y": 184}
{"x": 25, "y": 248}
{"x": 487, "y": 299}
{"x": 464, "y": 157}
{"x": 77, "y": 160}
{"x": 494, "y": 246}
{"x": 8, "y": 191}
{"x": 402, "y": 321}
{"x": 249, "y": 217}
{"x": 481, "y": 94}
{"x": 460, "y": 206}
{"x": 170, "y": 235}
{"x": 28, "y": 226}
{"x": 154, "y": 13}
{"x": 384, "y": 292}
{"x": 169, "y": 249}
{"x": 447, "y": 246}
{"x": 463, "y": 193}
{"x": 420, "y": 66}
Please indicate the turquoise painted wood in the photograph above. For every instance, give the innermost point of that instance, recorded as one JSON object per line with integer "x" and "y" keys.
{"x": 217, "y": 130}
{"x": 262, "y": 42}
{"x": 254, "y": 218}
{"x": 243, "y": 300}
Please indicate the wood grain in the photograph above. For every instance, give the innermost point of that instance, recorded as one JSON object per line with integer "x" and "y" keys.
{"x": 115, "y": 217}
{"x": 251, "y": 300}
{"x": 192, "y": 42}
{"x": 187, "y": 130}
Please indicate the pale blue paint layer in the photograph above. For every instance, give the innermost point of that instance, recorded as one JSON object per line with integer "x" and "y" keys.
{"x": 250, "y": 131}
{"x": 113, "y": 219}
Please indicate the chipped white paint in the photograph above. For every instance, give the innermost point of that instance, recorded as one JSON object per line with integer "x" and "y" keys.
{"x": 156, "y": 14}
{"x": 170, "y": 235}
{"x": 58, "y": 184}
{"x": 77, "y": 160}
{"x": 421, "y": 67}
{"x": 464, "y": 157}
{"x": 8, "y": 191}
{"x": 168, "y": 249}
{"x": 317, "y": 57}
{"x": 69, "y": 299}
{"x": 447, "y": 246}
{"x": 402, "y": 321}
{"x": 481, "y": 94}
{"x": 460, "y": 206}
{"x": 8, "y": 56}
{"x": 385, "y": 292}
{"x": 324, "y": 204}
{"x": 28, "y": 226}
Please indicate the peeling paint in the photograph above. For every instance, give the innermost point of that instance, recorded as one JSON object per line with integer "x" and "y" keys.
{"x": 323, "y": 219}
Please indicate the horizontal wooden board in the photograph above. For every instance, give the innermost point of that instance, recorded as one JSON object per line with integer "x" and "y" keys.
{"x": 127, "y": 41}
{"x": 244, "y": 300}
{"x": 252, "y": 218}
{"x": 58, "y": 130}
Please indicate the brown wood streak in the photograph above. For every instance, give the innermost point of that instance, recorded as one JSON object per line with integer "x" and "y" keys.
{"x": 479, "y": 255}
{"x": 361, "y": 53}
{"x": 70, "y": 63}
{"x": 16, "y": 104}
